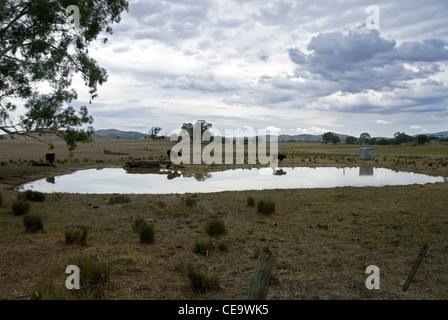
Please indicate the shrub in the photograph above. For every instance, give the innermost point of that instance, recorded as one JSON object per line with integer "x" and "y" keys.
{"x": 145, "y": 231}
{"x": 30, "y": 195}
{"x": 266, "y": 206}
{"x": 215, "y": 227}
{"x": 138, "y": 223}
{"x": 203, "y": 247}
{"x": 94, "y": 275}
{"x": 250, "y": 202}
{"x": 223, "y": 246}
{"x": 20, "y": 207}
{"x": 119, "y": 199}
{"x": 45, "y": 290}
{"x": 161, "y": 204}
{"x": 76, "y": 235}
{"x": 33, "y": 222}
{"x": 189, "y": 202}
{"x": 202, "y": 281}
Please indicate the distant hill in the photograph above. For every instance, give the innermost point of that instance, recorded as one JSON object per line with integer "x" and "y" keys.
{"x": 306, "y": 137}
{"x": 117, "y": 134}
{"x": 443, "y": 134}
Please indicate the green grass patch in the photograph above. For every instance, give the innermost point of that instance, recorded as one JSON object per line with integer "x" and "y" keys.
{"x": 45, "y": 290}
{"x": 203, "y": 247}
{"x": 76, "y": 235}
{"x": 223, "y": 246}
{"x": 265, "y": 206}
{"x": 94, "y": 275}
{"x": 250, "y": 202}
{"x": 33, "y": 196}
{"x": 33, "y": 222}
{"x": 20, "y": 207}
{"x": 119, "y": 199}
{"x": 215, "y": 227}
{"x": 161, "y": 204}
{"x": 189, "y": 201}
{"x": 146, "y": 231}
{"x": 202, "y": 281}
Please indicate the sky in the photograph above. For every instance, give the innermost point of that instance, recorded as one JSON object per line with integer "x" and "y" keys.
{"x": 292, "y": 67}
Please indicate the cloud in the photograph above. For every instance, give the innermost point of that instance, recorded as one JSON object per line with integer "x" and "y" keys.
{"x": 382, "y": 122}
{"x": 359, "y": 60}
{"x": 415, "y": 127}
{"x": 311, "y": 130}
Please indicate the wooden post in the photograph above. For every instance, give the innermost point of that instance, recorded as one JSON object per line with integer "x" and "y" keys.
{"x": 414, "y": 269}
{"x": 259, "y": 282}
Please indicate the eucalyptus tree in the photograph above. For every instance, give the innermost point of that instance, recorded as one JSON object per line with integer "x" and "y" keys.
{"x": 43, "y": 44}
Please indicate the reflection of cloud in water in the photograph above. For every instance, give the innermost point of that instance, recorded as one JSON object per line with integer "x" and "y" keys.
{"x": 164, "y": 181}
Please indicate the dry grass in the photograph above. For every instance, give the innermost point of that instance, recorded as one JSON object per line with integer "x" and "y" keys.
{"x": 322, "y": 240}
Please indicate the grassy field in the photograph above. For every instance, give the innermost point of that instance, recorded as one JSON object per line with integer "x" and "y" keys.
{"x": 322, "y": 239}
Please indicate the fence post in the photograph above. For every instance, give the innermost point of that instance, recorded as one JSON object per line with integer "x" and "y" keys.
{"x": 415, "y": 267}
{"x": 259, "y": 282}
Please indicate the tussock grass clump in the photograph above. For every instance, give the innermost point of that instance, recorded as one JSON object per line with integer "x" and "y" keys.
{"x": 202, "y": 281}
{"x": 223, "y": 246}
{"x": 30, "y": 195}
{"x": 203, "y": 247}
{"x": 138, "y": 223}
{"x": 265, "y": 206}
{"x": 250, "y": 202}
{"x": 20, "y": 207}
{"x": 161, "y": 204}
{"x": 215, "y": 227}
{"x": 94, "y": 275}
{"x": 119, "y": 199}
{"x": 33, "y": 222}
{"x": 77, "y": 235}
{"x": 189, "y": 201}
{"x": 145, "y": 230}
{"x": 45, "y": 290}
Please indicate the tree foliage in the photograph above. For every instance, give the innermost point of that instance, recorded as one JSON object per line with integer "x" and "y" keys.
{"x": 330, "y": 137}
{"x": 40, "y": 52}
{"x": 351, "y": 140}
{"x": 204, "y": 125}
{"x": 401, "y": 137}
{"x": 154, "y": 131}
{"x": 364, "y": 138}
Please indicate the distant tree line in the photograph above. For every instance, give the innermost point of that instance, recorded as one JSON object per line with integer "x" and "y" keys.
{"x": 398, "y": 139}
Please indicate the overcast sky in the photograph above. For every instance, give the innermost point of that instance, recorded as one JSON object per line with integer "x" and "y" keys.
{"x": 298, "y": 66}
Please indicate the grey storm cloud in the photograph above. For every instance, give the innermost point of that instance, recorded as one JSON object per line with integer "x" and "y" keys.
{"x": 360, "y": 60}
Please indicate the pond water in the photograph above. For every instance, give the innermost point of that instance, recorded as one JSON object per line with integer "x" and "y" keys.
{"x": 163, "y": 181}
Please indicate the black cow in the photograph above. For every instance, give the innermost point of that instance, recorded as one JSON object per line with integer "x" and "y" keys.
{"x": 49, "y": 157}
{"x": 279, "y": 156}
{"x": 175, "y": 154}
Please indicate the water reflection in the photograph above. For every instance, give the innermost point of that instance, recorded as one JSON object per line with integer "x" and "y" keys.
{"x": 163, "y": 181}
{"x": 51, "y": 180}
{"x": 171, "y": 174}
{"x": 366, "y": 171}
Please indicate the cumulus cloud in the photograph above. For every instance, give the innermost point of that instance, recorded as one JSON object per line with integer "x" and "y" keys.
{"x": 359, "y": 60}
{"x": 312, "y": 130}
{"x": 382, "y": 122}
{"x": 415, "y": 127}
